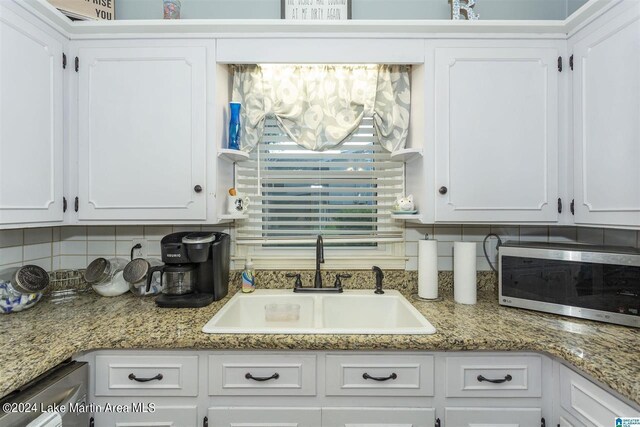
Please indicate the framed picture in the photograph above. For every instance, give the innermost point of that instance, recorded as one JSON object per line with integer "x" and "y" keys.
{"x": 316, "y": 10}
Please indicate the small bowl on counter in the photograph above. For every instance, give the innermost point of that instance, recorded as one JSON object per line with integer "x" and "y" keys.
{"x": 22, "y": 287}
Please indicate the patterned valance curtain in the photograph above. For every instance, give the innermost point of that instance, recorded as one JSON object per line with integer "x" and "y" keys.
{"x": 320, "y": 106}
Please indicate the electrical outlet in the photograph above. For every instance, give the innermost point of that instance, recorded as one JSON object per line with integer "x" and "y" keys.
{"x": 142, "y": 252}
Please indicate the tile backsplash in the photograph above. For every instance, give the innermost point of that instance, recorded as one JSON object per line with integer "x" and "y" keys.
{"x": 75, "y": 246}
{"x": 447, "y": 234}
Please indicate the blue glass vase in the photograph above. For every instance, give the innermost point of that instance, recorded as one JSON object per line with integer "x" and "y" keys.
{"x": 234, "y": 126}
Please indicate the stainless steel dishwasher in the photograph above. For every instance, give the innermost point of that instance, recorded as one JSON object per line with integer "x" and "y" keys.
{"x": 58, "y": 398}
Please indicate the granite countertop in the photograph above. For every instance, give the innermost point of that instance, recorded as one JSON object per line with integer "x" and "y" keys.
{"x": 39, "y": 338}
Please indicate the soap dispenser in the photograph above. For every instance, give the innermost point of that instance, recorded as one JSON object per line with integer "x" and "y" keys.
{"x": 248, "y": 277}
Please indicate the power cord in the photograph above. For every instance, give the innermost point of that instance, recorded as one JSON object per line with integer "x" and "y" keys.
{"x": 136, "y": 246}
{"x": 484, "y": 249}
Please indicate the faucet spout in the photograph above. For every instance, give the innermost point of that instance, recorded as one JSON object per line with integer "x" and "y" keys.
{"x": 319, "y": 260}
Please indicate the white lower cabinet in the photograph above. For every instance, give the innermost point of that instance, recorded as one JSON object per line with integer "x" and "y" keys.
{"x": 344, "y": 389}
{"x": 378, "y": 417}
{"x": 588, "y": 403}
{"x": 268, "y": 375}
{"x": 379, "y": 375}
{"x": 162, "y": 416}
{"x": 118, "y": 375}
{"x": 264, "y": 417}
{"x": 566, "y": 420}
{"x": 495, "y": 376}
{"x": 496, "y": 417}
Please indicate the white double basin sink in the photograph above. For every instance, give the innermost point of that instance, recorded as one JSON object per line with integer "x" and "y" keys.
{"x": 280, "y": 311}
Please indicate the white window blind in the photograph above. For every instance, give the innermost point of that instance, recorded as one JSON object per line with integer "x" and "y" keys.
{"x": 344, "y": 194}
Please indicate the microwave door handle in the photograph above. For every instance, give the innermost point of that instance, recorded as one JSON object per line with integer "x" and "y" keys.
{"x": 627, "y": 293}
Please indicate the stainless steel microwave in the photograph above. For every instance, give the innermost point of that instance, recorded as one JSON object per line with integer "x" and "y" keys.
{"x": 592, "y": 282}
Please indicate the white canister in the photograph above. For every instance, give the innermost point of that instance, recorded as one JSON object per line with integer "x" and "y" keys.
{"x": 464, "y": 272}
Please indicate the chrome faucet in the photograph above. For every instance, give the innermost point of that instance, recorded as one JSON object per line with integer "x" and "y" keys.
{"x": 317, "y": 283}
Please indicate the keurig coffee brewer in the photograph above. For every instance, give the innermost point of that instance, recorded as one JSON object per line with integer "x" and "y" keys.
{"x": 195, "y": 271}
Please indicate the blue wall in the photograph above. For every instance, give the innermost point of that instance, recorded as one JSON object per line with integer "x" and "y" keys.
{"x": 362, "y": 9}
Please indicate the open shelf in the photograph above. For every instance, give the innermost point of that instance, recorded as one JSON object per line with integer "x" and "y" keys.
{"x": 407, "y": 217}
{"x": 406, "y": 155}
{"x": 232, "y": 155}
{"x": 232, "y": 217}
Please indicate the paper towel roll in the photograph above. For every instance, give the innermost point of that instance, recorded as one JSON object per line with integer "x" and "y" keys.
{"x": 428, "y": 269}
{"x": 464, "y": 272}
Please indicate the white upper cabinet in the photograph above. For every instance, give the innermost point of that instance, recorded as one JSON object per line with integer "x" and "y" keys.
{"x": 496, "y": 133}
{"x": 31, "y": 159}
{"x": 142, "y": 131}
{"x": 606, "y": 117}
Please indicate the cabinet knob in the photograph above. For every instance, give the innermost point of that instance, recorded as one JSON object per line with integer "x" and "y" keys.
{"x": 197, "y": 189}
{"x": 443, "y": 190}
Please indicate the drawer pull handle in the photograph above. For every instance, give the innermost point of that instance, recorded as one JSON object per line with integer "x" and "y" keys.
{"x": 132, "y": 377}
{"x": 499, "y": 381}
{"x": 272, "y": 377}
{"x": 366, "y": 376}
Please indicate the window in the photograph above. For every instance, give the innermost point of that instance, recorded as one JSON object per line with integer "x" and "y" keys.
{"x": 344, "y": 194}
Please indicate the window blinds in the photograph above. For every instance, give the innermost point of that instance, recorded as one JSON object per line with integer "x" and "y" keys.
{"x": 344, "y": 194}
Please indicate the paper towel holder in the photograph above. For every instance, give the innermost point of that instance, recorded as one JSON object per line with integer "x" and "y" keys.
{"x": 416, "y": 295}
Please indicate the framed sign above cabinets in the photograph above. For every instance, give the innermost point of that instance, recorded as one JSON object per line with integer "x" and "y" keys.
{"x": 316, "y": 10}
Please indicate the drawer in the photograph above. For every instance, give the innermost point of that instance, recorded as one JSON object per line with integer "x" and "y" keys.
{"x": 589, "y": 403}
{"x": 494, "y": 417}
{"x": 494, "y": 376}
{"x": 379, "y": 375}
{"x": 118, "y": 375}
{"x": 262, "y": 375}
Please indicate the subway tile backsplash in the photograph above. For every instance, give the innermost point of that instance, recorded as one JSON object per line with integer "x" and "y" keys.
{"x": 447, "y": 234}
{"x": 76, "y": 246}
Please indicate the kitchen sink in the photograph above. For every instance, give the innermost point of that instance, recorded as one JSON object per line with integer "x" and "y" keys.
{"x": 280, "y": 311}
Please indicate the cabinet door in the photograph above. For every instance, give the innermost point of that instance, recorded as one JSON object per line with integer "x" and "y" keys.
{"x": 142, "y": 132}
{"x": 264, "y": 417}
{"x": 496, "y": 134}
{"x": 378, "y": 417}
{"x": 588, "y": 403}
{"x": 606, "y": 102}
{"x": 156, "y": 416}
{"x": 31, "y": 176}
{"x": 495, "y": 417}
{"x": 567, "y": 420}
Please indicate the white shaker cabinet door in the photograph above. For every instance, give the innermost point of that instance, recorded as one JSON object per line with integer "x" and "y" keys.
{"x": 378, "y": 417}
{"x": 142, "y": 132}
{"x": 264, "y": 417}
{"x": 31, "y": 81}
{"x": 496, "y": 130}
{"x": 142, "y": 414}
{"x": 494, "y": 417}
{"x": 606, "y": 107}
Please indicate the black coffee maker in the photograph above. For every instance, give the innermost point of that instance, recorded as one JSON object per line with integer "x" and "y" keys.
{"x": 195, "y": 271}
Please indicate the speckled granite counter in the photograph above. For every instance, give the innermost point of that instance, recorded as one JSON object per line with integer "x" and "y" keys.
{"x": 38, "y": 339}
